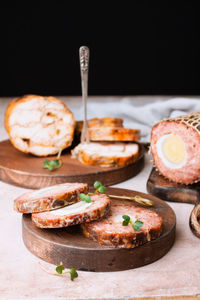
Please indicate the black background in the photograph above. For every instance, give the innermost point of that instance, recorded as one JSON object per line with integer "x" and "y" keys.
{"x": 148, "y": 47}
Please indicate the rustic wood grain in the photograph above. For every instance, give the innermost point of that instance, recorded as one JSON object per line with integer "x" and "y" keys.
{"x": 161, "y": 187}
{"x": 26, "y": 170}
{"x": 71, "y": 247}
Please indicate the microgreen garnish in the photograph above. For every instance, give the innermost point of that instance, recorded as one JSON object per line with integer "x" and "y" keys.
{"x": 73, "y": 273}
{"x": 85, "y": 197}
{"x": 99, "y": 187}
{"x": 53, "y": 164}
{"x": 136, "y": 225}
{"x": 60, "y": 269}
{"x": 126, "y": 221}
{"x": 97, "y": 184}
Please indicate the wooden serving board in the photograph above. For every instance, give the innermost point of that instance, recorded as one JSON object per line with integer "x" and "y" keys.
{"x": 161, "y": 187}
{"x": 71, "y": 247}
{"x": 26, "y": 170}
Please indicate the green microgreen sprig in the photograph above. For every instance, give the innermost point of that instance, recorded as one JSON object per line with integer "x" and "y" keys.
{"x": 85, "y": 197}
{"x": 135, "y": 225}
{"x": 60, "y": 271}
{"x": 53, "y": 164}
{"x": 99, "y": 187}
{"x": 73, "y": 273}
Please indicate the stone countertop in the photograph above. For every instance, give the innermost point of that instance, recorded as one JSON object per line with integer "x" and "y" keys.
{"x": 21, "y": 277}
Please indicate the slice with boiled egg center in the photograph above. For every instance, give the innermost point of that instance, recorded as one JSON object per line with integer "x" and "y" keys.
{"x": 171, "y": 150}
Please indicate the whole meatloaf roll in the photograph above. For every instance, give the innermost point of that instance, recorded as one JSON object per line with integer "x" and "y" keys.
{"x": 39, "y": 125}
{"x": 110, "y": 230}
{"x": 49, "y": 198}
{"x": 106, "y": 154}
{"x": 175, "y": 146}
{"x": 74, "y": 214}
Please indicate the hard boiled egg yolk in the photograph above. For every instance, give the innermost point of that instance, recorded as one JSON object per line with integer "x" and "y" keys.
{"x": 171, "y": 150}
{"x": 174, "y": 149}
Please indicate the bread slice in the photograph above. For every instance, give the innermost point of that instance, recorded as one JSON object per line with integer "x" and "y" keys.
{"x": 78, "y": 213}
{"x": 110, "y": 231}
{"x": 39, "y": 125}
{"x": 106, "y": 154}
{"x": 104, "y": 134}
{"x": 49, "y": 198}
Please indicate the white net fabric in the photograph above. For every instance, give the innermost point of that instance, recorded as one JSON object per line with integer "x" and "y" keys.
{"x": 191, "y": 120}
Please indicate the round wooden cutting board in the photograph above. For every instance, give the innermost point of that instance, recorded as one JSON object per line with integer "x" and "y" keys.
{"x": 73, "y": 249}
{"x": 26, "y": 170}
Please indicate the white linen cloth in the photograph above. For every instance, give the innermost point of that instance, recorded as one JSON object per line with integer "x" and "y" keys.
{"x": 142, "y": 116}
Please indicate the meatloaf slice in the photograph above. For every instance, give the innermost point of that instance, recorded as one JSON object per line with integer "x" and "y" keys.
{"x": 117, "y": 134}
{"x": 49, "y": 198}
{"x": 106, "y": 154}
{"x": 99, "y": 122}
{"x": 110, "y": 231}
{"x": 74, "y": 214}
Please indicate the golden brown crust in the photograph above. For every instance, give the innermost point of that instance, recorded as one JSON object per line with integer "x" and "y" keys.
{"x": 114, "y": 134}
{"x": 99, "y": 122}
{"x": 99, "y": 207}
{"x": 15, "y": 102}
{"x": 102, "y": 160}
{"x": 31, "y": 202}
{"x": 110, "y": 232}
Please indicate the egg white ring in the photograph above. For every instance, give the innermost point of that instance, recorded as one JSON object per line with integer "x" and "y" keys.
{"x": 162, "y": 156}
{"x": 75, "y": 208}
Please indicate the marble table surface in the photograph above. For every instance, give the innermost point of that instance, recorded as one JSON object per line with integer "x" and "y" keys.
{"x": 21, "y": 277}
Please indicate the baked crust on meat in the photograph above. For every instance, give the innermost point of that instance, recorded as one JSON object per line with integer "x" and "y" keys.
{"x": 99, "y": 122}
{"x": 59, "y": 218}
{"x": 110, "y": 232}
{"x": 106, "y": 154}
{"x": 119, "y": 134}
{"x": 187, "y": 129}
{"x": 49, "y": 198}
{"x": 39, "y": 125}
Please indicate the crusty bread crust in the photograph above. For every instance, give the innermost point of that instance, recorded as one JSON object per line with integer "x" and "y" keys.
{"x": 26, "y": 145}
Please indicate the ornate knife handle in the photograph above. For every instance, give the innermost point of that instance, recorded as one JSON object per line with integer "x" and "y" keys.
{"x": 84, "y": 66}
